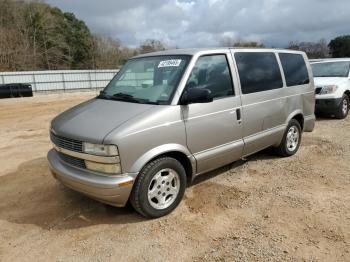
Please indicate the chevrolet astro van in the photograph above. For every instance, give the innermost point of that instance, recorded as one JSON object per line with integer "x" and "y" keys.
{"x": 169, "y": 116}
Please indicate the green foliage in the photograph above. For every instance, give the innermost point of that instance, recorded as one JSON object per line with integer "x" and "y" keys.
{"x": 79, "y": 38}
{"x": 340, "y": 46}
{"x": 36, "y": 36}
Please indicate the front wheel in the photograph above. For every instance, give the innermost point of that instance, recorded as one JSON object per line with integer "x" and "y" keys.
{"x": 159, "y": 187}
{"x": 343, "y": 108}
{"x": 291, "y": 139}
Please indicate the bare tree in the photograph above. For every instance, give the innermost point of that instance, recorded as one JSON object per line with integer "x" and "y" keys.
{"x": 312, "y": 49}
{"x": 228, "y": 41}
{"x": 109, "y": 53}
{"x": 151, "y": 45}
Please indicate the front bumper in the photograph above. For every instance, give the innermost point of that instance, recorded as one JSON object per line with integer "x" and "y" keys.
{"x": 328, "y": 105}
{"x": 112, "y": 190}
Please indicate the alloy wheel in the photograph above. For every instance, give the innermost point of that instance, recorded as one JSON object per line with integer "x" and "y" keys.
{"x": 163, "y": 188}
{"x": 292, "y": 138}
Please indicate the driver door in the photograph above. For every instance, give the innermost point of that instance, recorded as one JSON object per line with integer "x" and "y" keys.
{"x": 214, "y": 130}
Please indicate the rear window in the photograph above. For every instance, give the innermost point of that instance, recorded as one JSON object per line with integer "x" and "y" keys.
{"x": 258, "y": 71}
{"x": 294, "y": 68}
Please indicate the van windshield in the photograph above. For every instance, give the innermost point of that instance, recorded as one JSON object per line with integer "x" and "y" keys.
{"x": 331, "y": 69}
{"x": 147, "y": 80}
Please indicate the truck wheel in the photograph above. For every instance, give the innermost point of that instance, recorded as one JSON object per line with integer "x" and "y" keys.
{"x": 159, "y": 187}
{"x": 343, "y": 108}
{"x": 291, "y": 139}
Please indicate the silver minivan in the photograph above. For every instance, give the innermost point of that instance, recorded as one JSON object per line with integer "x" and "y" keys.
{"x": 169, "y": 116}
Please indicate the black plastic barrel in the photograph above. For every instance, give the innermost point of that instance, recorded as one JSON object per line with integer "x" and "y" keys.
{"x": 16, "y": 90}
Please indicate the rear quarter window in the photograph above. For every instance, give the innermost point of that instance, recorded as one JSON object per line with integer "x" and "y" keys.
{"x": 258, "y": 71}
{"x": 294, "y": 68}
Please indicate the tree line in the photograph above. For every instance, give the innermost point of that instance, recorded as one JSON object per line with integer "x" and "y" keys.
{"x": 336, "y": 48}
{"x": 36, "y": 36}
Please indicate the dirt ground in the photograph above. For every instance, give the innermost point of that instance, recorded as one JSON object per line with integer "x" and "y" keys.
{"x": 263, "y": 209}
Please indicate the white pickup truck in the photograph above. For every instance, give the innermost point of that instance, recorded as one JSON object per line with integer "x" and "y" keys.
{"x": 332, "y": 83}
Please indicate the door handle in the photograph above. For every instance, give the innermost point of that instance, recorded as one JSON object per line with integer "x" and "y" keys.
{"x": 239, "y": 115}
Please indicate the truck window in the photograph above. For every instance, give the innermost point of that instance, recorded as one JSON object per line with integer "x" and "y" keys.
{"x": 212, "y": 72}
{"x": 258, "y": 71}
{"x": 294, "y": 68}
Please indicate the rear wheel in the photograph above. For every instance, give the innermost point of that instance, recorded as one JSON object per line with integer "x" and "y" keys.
{"x": 291, "y": 139}
{"x": 343, "y": 108}
{"x": 159, "y": 187}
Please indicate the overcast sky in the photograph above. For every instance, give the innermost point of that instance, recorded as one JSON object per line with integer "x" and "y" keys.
{"x": 200, "y": 23}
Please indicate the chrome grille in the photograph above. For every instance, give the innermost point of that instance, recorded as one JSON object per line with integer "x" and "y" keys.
{"x": 67, "y": 143}
{"x": 72, "y": 160}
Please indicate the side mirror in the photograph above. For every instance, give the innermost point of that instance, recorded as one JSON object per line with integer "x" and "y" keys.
{"x": 196, "y": 95}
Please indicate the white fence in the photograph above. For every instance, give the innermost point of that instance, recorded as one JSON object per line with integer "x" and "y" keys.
{"x": 63, "y": 80}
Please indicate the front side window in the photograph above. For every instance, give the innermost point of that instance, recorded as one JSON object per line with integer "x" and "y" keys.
{"x": 149, "y": 80}
{"x": 212, "y": 72}
{"x": 258, "y": 71}
{"x": 331, "y": 69}
{"x": 294, "y": 68}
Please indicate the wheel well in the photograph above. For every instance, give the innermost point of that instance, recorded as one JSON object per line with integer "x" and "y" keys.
{"x": 347, "y": 92}
{"x": 300, "y": 119}
{"x": 183, "y": 159}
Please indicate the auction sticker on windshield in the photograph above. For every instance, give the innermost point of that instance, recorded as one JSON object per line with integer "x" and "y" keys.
{"x": 172, "y": 62}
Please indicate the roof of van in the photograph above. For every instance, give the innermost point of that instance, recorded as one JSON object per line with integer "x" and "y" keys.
{"x": 193, "y": 51}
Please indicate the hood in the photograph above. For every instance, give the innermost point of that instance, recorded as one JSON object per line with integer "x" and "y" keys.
{"x": 325, "y": 81}
{"x": 92, "y": 120}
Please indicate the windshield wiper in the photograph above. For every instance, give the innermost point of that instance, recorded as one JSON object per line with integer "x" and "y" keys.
{"x": 123, "y": 95}
{"x": 126, "y": 97}
{"x": 118, "y": 97}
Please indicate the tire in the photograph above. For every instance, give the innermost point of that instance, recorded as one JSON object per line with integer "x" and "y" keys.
{"x": 287, "y": 147}
{"x": 159, "y": 188}
{"x": 343, "y": 108}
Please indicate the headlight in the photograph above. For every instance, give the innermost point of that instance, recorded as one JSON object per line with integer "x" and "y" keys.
{"x": 328, "y": 89}
{"x": 104, "y": 168}
{"x": 101, "y": 150}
